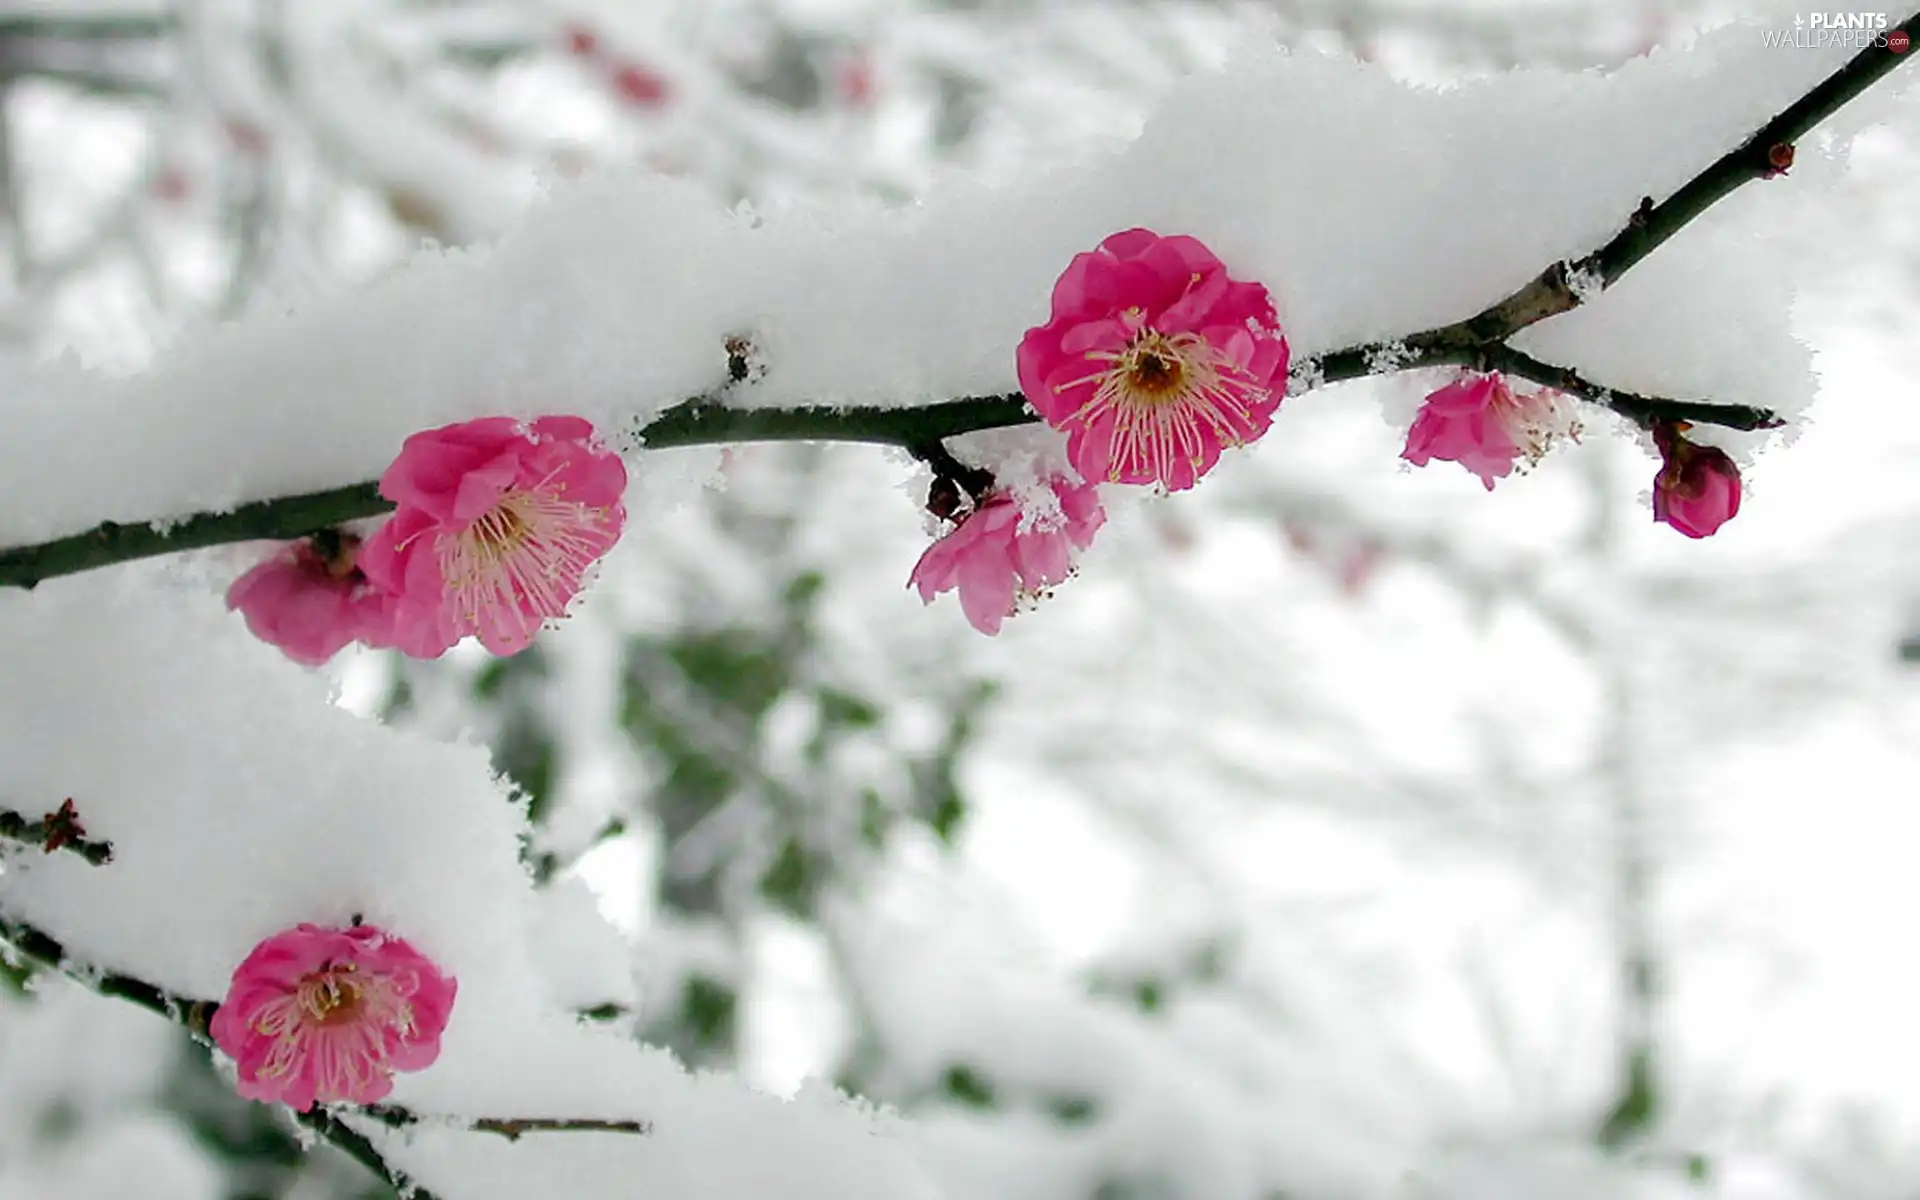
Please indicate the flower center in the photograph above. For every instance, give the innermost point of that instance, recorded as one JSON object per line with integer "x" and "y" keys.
{"x": 1536, "y": 421}
{"x": 522, "y": 558}
{"x": 501, "y": 531}
{"x": 1170, "y": 396}
{"x": 1156, "y": 372}
{"x": 333, "y": 996}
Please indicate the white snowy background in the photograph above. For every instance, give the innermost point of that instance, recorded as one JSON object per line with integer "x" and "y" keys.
{"x": 1299, "y": 847}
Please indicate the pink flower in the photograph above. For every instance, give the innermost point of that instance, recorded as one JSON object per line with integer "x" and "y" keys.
{"x": 1698, "y": 488}
{"x": 1484, "y": 425}
{"x": 999, "y": 553}
{"x": 311, "y": 602}
{"x": 328, "y": 1015}
{"x": 496, "y": 528}
{"x": 1154, "y": 361}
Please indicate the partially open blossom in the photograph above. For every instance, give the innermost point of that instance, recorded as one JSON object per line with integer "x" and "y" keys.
{"x": 311, "y": 599}
{"x": 1480, "y": 422}
{"x": 1154, "y": 360}
{"x": 1698, "y": 488}
{"x": 999, "y": 553}
{"x": 496, "y": 527}
{"x": 322, "y": 1015}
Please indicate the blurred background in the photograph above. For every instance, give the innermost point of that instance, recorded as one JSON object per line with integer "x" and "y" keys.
{"x": 1341, "y": 831}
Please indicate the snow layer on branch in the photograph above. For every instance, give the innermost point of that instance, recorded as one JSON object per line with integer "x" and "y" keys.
{"x": 1372, "y": 207}
{"x": 239, "y": 803}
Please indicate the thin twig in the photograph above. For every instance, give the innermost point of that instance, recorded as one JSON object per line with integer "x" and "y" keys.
{"x": 195, "y": 1015}
{"x": 549, "y": 863}
{"x": 1478, "y": 340}
{"x": 512, "y": 1129}
{"x": 355, "y": 1145}
{"x": 58, "y": 830}
{"x": 1642, "y": 410}
{"x": 1645, "y": 230}
{"x": 612, "y": 1010}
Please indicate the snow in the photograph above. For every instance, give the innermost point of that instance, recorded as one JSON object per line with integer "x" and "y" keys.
{"x": 1372, "y": 207}
{"x": 240, "y": 802}
{"x": 148, "y": 1147}
{"x": 445, "y": 186}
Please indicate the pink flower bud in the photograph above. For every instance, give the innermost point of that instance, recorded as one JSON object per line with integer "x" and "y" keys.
{"x": 1698, "y": 488}
{"x": 582, "y": 41}
{"x": 641, "y": 87}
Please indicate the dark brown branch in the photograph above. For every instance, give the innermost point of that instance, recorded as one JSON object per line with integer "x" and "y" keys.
{"x": 1478, "y": 340}
{"x": 512, "y": 1128}
{"x": 1752, "y": 159}
{"x": 1642, "y": 410}
{"x": 1645, "y": 230}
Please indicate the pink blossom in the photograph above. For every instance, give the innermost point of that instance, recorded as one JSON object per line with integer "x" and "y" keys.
{"x": 309, "y": 602}
{"x": 328, "y": 1015}
{"x": 999, "y": 553}
{"x": 1481, "y": 423}
{"x": 1698, "y": 488}
{"x": 1154, "y": 361}
{"x": 496, "y": 527}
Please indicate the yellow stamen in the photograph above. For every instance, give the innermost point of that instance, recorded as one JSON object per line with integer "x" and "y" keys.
{"x": 1168, "y": 393}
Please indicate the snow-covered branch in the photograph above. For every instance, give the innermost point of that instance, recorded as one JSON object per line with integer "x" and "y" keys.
{"x": 510, "y": 1128}
{"x": 1480, "y": 340}
{"x": 705, "y": 421}
{"x": 1564, "y": 286}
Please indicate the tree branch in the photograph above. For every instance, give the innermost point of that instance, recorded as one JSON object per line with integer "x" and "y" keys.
{"x": 1565, "y": 285}
{"x": 512, "y": 1129}
{"x": 84, "y": 28}
{"x": 195, "y": 1016}
{"x": 1478, "y": 341}
{"x": 1751, "y": 160}
{"x": 355, "y": 1145}
{"x": 1642, "y": 410}
{"x": 702, "y": 421}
